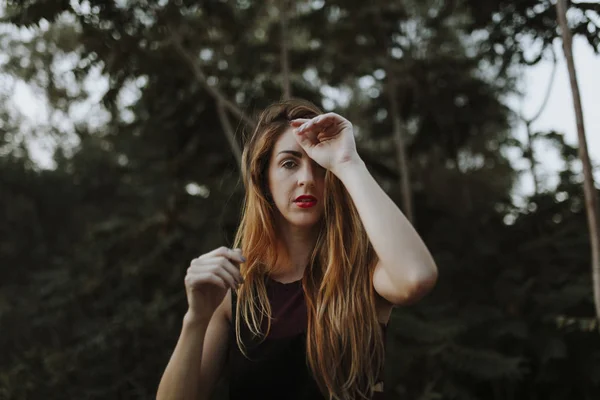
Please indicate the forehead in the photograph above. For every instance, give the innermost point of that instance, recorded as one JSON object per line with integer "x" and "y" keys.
{"x": 287, "y": 141}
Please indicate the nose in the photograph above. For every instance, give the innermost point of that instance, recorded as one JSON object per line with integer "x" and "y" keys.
{"x": 307, "y": 174}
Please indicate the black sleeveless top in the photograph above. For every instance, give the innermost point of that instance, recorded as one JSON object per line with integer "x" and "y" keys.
{"x": 277, "y": 368}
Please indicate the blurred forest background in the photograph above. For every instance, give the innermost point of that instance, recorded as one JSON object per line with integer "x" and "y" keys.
{"x": 94, "y": 250}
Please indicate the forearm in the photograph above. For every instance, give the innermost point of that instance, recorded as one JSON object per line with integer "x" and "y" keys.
{"x": 400, "y": 249}
{"x": 180, "y": 379}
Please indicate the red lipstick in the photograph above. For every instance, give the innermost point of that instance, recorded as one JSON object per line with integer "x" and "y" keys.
{"x": 306, "y": 201}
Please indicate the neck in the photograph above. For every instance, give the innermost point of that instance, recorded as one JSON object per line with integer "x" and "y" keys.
{"x": 294, "y": 249}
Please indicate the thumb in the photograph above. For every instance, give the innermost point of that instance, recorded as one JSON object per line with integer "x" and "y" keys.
{"x": 239, "y": 251}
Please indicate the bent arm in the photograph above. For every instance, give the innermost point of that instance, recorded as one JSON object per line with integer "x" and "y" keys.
{"x": 406, "y": 270}
{"x": 198, "y": 358}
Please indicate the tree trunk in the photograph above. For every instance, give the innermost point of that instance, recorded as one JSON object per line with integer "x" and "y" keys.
{"x": 399, "y": 133}
{"x": 591, "y": 203}
{"x": 229, "y": 134}
{"x": 285, "y": 64}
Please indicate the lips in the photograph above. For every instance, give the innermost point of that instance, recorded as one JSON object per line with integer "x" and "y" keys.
{"x": 305, "y": 201}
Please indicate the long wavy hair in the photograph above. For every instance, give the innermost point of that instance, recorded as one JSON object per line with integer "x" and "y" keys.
{"x": 345, "y": 348}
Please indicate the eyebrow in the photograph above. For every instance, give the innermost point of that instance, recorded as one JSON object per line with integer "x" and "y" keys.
{"x": 292, "y": 152}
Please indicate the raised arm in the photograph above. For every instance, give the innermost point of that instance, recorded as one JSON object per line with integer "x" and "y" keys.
{"x": 406, "y": 270}
{"x": 200, "y": 353}
{"x": 199, "y": 356}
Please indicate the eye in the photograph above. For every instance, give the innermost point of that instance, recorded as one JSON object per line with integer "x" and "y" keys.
{"x": 289, "y": 164}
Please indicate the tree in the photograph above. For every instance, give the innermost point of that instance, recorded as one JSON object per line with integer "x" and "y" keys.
{"x": 110, "y": 230}
{"x": 591, "y": 200}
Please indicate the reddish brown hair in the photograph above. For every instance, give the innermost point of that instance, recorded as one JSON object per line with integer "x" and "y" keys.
{"x": 345, "y": 347}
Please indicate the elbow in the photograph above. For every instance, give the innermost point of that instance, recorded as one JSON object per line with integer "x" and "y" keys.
{"x": 407, "y": 285}
{"x": 422, "y": 284}
{"x": 427, "y": 283}
{"x": 416, "y": 287}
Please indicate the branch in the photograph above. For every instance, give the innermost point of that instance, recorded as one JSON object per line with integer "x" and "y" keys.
{"x": 529, "y": 121}
{"x": 285, "y": 65}
{"x": 400, "y": 141}
{"x": 547, "y": 96}
{"x": 591, "y": 202}
{"x": 229, "y": 133}
{"x": 201, "y": 78}
{"x": 398, "y": 126}
{"x": 591, "y": 4}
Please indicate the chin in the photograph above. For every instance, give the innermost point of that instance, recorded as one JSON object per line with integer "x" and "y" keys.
{"x": 304, "y": 224}
{"x": 307, "y": 221}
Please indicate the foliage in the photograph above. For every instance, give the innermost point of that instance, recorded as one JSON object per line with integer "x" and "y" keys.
{"x": 93, "y": 251}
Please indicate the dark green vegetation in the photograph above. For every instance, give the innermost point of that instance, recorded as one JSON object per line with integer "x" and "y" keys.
{"x": 93, "y": 252}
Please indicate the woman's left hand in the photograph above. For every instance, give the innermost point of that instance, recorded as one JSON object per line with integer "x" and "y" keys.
{"x": 328, "y": 139}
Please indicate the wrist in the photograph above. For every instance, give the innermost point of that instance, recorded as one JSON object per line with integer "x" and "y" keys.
{"x": 348, "y": 167}
{"x": 193, "y": 319}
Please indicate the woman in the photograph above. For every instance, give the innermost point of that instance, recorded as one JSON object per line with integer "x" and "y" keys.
{"x": 299, "y": 310}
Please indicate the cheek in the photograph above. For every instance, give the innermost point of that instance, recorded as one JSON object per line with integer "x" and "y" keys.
{"x": 274, "y": 181}
{"x": 280, "y": 186}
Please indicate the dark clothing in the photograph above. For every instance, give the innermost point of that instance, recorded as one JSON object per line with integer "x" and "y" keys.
{"x": 277, "y": 368}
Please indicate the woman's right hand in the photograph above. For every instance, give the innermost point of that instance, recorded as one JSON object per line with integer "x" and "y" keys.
{"x": 209, "y": 277}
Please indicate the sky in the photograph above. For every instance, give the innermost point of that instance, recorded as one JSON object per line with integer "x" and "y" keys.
{"x": 558, "y": 114}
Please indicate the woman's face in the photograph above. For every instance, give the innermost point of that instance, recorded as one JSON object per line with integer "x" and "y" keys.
{"x": 296, "y": 182}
